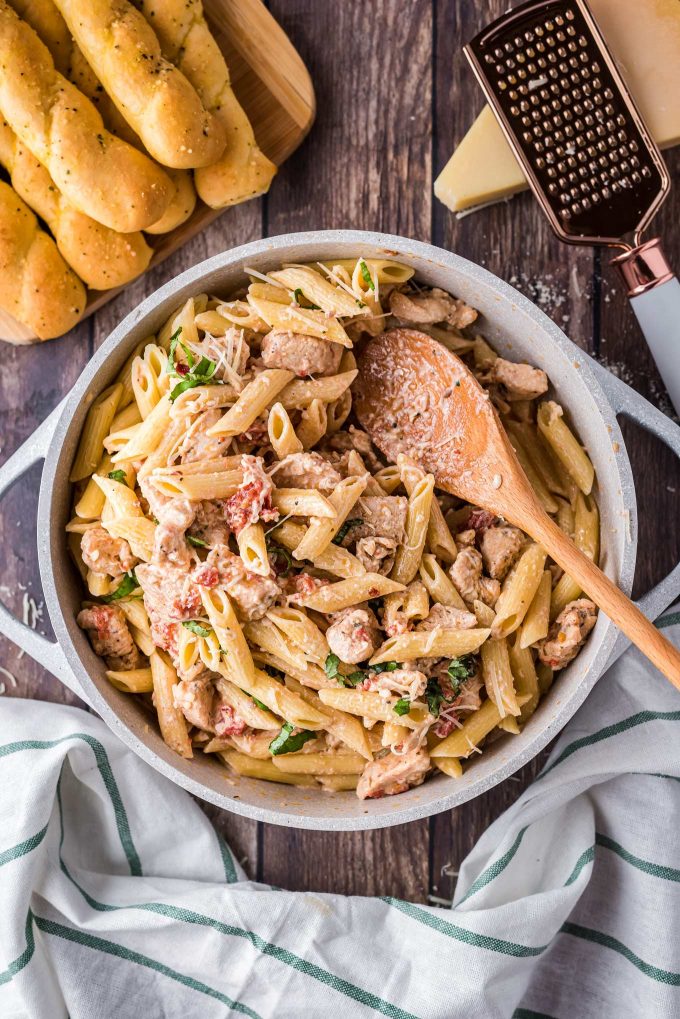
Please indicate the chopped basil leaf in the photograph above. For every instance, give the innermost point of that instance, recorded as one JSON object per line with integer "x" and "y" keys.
{"x": 402, "y": 707}
{"x": 196, "y": 627}
{"x": 435, "y": 696}
{"x": 191, "y": 374}
{"x": 386, "y": 667}
{"x": 126, "y": 587}
{"x": 119, "y": 476}
{"x": 282, "y": 560}
{"x": 259, "y": 704}
{"x": 196, "y": 542}
{"x": 348, "y": 525}
{"x": 353, "y": 679}
{"x": 461, "y": 668}
{"x": 366, "y": 275}
{"x": 331, "y": 665}
{"x": 297, "y": 297}
{"x": 287, "y": 741}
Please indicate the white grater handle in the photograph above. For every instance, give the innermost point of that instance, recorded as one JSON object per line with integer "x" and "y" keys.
{"x": 658, "y": 312}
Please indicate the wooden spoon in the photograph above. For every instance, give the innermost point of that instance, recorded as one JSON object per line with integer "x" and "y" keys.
{"x": 414, "y": 396}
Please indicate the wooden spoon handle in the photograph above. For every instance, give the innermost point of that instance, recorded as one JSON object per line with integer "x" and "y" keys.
{"x": 606, "y": 595}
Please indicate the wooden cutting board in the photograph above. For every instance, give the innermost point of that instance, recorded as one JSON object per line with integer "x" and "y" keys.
{"x": 273, "y": 86}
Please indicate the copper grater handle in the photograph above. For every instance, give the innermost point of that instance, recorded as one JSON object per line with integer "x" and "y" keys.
{"x": 654, "y": 294}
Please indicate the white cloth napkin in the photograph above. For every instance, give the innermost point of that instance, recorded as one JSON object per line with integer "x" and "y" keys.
{"x": 118, "y": 899}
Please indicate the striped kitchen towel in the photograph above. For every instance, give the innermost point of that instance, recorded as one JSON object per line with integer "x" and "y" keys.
{"x": 119, "y": 900}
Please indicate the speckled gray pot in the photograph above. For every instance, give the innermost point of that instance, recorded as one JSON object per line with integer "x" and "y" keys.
{"x": 516, "y": 328}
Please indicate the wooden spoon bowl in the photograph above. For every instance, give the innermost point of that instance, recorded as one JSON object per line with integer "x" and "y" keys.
{"x": 414, "y": 396}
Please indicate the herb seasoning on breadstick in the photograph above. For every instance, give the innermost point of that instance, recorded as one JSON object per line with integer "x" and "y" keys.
{"x": 100, "y": 174}
{"x": 151, "y": 93}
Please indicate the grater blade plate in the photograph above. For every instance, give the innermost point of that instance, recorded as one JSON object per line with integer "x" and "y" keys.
{"x": 571, "y": 121}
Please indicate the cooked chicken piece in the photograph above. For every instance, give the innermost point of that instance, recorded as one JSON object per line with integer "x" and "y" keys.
{"x": 170, "y": 543}
{"x": 354, "y": 635}
{"x": 305, "y": 470}
{"x": 299, "y": 353}
{"x": 108, "y": 631}
{"x": 467, "y": 538}
{"x": 394, "y": 773}
{"x": 198, "y": 445}
{"x": 104, "y": 554}
{"x": 210, "y": 523}
{"x": 376, "y": 555}
{"x": 410, "y": 683}
{"x": 194, "y": 699}
{"x": 154, "y": 499}
{"x": 448, "y": 617}
{"x": 381, "y": 516}
{"x": 251, "y": 594}
{"x": 500, "y": 546}
{"x": 355, "y": 438}
{"x": 254, "y": 742}
{"x": 519, "y": 381}
{"x": 253, "y": 500}
{"x": 466, "y": 574}
{"x": 568, "y": 633}
{"x": 430, "y": 307}
{"x": 170, "y": 596}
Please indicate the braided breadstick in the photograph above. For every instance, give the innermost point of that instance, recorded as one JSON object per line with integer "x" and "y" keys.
{"x": 153, "y": 96}
{"x": 101, "y": 175}
{"x": 183, "y": 201}
{"x": 101, "y": 257}
{"x": 243, "y": 171}
{"x": 36, "y": 285}
{"x": 45, "y": 19}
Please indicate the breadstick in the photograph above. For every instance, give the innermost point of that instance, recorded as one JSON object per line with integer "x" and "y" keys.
{"x": 101, "y": 257}
{"x": 36, "y": 285}
{"x": 45, "y": 19}
{"x": 154, "y": 96}
{"x": 243, "y": 171}
{"x": 183, "y": 201}
{"x": 100, "y": 175}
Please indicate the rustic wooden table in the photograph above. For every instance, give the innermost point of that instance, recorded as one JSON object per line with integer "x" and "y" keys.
{"x": 394, "y": 95}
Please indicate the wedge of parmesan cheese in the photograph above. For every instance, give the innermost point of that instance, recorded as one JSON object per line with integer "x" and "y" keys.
{"x": 645, "y": 39}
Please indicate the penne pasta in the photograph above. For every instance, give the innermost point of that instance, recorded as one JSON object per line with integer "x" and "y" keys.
{"x": 518, "y": 591}
{"x": 438, "y": 583}
{"x": 410, "y": 552}
{"x": 565, "y": 445}
{"x": 498, "y": 679}
{"x": 281, "y": 432}
{"x": 252, "y": 401}
{"x": 322, "y": 530}
{"x": 303, "y": 392}
{"x": 96, "y": 428}
{"x": 132, "y": 681}
{"x": 345, "y": 593}
{"x": 252, "y": 547}
{"x": 537, "y": 620}
{"x": 429, "y": 644}
{"x": 303, "y": 502}
{"x": 170, "y": 719}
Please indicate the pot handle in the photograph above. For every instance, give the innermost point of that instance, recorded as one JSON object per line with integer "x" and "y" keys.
{"x": 627, "y": 402}
{"x": 46, "y": 652}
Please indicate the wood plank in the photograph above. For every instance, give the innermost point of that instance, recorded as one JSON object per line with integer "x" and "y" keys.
{"x": 32, "y": 381}
{"x": 367, "y": 164}
{"x": 623, "y": 350}
{"x": 512, "y": 240}
{"x": 390, "y": 861}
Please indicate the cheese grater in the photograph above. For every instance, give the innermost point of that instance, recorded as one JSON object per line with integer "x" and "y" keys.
{"x": 589, "y": 159}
